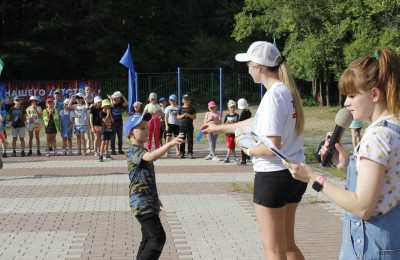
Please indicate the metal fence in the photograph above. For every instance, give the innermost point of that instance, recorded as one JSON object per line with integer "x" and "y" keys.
{"x": 202, "y": 88}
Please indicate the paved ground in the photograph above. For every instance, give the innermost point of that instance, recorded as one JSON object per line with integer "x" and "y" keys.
{"x": 77, "y": 208}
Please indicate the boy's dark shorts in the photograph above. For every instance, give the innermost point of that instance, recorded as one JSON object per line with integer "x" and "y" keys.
{"x": 276, "y": 189}
{"x": 173, "y": 129}
{"x": 106, "y": 136}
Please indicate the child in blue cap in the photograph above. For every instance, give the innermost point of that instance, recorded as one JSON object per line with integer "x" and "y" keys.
{"x": 144, "y": 201}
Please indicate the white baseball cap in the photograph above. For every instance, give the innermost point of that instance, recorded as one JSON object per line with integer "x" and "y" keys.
{"x": 153, "y": 95}
{"x": 263, "y": 53}
{"x": 116, "y": 94}
{"x": 231, "y": 103}
{"x": 97, "y": 99}
{"x": 242, "y": 103}
{"x": 66, "y": 101}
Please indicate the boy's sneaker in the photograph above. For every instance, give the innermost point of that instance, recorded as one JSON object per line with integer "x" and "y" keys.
{"x": 14, "y": 154}
{"x": 242, "y": 163}
{"x": 181, "y": 156}
{"x": 236, "y": 159}
{"x": 64, "y": 152}
{"x": 69, "y": 152}
{"x": 100, "y": 158}
{"x": 113, "y": 152}
{"x": 29, "y": 153}
{"x": 215, "y": 158}
{"x": 22, "y": 154}
{"x": 38, "y": 152}
{"x": 190, "y": 156}
{"x": 121, "y": 152}
{"x": 208, "y": 157}
{"x": 226, "y": 160}
{"x": 4, "y": 155}
{"x": 55, "y": 153}
{"x": 47, "y": 154}
{"x": 107, "y": 156}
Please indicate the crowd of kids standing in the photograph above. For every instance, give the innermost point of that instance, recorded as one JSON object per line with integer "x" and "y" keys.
{"x": 96, "y": 123}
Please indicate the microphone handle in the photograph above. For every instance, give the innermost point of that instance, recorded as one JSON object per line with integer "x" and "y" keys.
{"x": 337, "y": 134}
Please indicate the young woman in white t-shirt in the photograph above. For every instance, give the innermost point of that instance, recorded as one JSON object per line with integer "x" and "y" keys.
{"x": 279, "y": 117}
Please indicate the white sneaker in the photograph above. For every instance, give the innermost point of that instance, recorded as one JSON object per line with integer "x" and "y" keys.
{"x": 208, "y": 157}
{"x": 47, "y": 154}
{"x": 69, "y": 152}
{"x": 215, "y": 158}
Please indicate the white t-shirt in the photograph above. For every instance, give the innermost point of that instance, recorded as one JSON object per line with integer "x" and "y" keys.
{"x": 80, "y": 113}
{"x": 381, "y": 145}
{"x": 276, "y": 116}
{"x": 172, "y": 113}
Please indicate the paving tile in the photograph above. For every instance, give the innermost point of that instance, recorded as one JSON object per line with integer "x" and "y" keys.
{"x": 73, "y": 207}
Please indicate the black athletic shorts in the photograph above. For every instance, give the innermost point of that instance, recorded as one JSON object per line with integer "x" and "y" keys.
{"x": 173, "y": 129}
{"x": 276, "y": 189}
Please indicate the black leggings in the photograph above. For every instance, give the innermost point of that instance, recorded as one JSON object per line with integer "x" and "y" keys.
{"x": 153, "y": 237}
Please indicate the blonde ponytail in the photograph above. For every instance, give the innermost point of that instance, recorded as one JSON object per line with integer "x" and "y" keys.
{"x": 286, "y": 77}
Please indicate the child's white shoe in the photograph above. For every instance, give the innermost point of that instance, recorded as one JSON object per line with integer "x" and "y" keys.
{"x": 64, "y": 152}
{"x": 215, "y": 158}
{"x": 47, "y": 154}
{"x": 208, "y": 157}
{"x": 69, "y": 152}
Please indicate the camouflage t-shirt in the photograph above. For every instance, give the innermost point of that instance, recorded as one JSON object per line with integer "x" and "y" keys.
{"x": 142, "y": 188}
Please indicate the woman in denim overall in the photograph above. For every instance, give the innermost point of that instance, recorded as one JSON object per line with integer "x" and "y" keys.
{"x": 372, "y": 218}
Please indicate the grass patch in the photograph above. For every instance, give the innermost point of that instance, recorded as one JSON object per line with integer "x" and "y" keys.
{"x": 237, "y": 187}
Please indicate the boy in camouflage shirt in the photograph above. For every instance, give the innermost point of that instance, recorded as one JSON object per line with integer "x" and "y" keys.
{"x": 144, "y": 201}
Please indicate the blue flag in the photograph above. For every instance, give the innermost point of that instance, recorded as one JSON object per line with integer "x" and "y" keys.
{"x": 126, "y": 60}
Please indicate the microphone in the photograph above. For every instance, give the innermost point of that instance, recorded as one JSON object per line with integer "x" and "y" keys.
{"x": 343, "y": 120}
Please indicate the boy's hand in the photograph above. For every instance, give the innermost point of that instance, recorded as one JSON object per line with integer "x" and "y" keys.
{"x": 179, "y": 139}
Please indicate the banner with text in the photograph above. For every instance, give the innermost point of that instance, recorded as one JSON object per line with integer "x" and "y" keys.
{"x": 45, "y": 89}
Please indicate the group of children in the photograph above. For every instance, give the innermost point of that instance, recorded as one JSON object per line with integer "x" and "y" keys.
{"x": 215, "y": 117}
{"x": 80, "y": 114}
{"x": 167, "y": 121}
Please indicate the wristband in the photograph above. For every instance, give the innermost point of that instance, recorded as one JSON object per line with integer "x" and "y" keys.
{"x": 248, "y": 152}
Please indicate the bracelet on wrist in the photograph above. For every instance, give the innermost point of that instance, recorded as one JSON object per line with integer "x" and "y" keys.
{"x": 248, "y": 152}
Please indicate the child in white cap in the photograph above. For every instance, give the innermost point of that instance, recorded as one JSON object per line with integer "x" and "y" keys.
{"x": 245, "y": 114}
{"x": 117, "y": 125}
{"x": 137, "y": 108}
{"x": 34, "y": 114}
{"x": 231, "y": 118}
{"x": 154, "y": 123}
{"x": 67, "y": 124}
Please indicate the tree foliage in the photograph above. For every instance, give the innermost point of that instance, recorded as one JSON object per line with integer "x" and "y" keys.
{"x": 75, "y": 39}
{"x": 320, "y": 37}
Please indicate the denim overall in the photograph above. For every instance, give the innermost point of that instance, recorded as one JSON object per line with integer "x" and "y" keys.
{"x": 376, "y": 238}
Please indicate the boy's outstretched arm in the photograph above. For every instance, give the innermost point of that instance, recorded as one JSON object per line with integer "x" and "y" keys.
{"x": 157, "y": 154}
